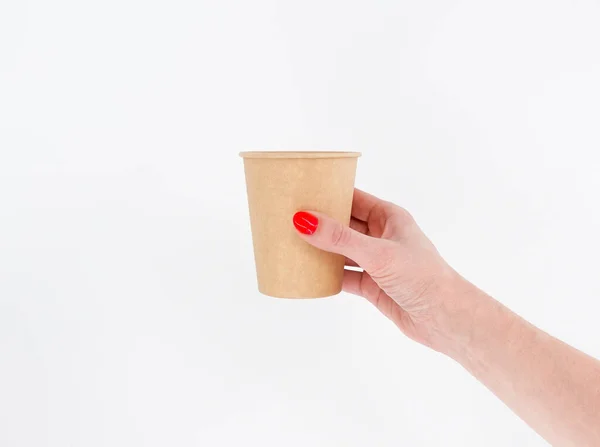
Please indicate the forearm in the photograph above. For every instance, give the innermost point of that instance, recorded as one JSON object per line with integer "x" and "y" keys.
{"x": 550, "y": 385}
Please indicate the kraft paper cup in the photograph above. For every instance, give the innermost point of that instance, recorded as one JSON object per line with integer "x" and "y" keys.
{"x": 279, "y": 184}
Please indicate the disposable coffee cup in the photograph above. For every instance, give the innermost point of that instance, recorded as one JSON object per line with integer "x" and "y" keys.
{"x": 278, "y": 185}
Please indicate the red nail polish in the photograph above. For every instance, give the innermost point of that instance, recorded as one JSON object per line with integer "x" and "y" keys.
{"x": 305, "y": 222}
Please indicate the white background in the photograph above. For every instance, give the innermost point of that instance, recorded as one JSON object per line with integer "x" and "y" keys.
{"x": 129, "y": 314}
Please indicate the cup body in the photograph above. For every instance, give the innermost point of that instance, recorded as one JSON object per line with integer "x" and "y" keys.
{"x": 278, "y": 185}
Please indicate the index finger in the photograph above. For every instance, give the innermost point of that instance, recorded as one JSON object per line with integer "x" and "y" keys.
{"x": 363, "y": 203}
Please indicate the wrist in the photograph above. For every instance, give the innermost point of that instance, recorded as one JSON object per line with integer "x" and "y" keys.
{"x": 462, "y": 310}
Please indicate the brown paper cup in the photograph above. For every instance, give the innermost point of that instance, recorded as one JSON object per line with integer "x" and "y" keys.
{"x": 279, "y": 184}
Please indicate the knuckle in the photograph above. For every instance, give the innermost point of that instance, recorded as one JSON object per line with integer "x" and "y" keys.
{"x": 401, "y": 220}
{"x": 341, "y": 236}
{"x": 403, "y": 215}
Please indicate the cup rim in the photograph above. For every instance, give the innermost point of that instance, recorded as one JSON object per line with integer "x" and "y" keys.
{"x": 299, "y": 154}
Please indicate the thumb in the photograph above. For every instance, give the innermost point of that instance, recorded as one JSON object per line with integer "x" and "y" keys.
{"x": 330, "y": 235}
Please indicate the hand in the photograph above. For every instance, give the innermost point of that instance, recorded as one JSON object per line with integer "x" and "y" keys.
{"x": 552, "y": 386}
{"x": 403, "y": 276}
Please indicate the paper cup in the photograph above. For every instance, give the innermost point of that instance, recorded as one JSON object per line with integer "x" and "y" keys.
{"x": 279, "y": 184}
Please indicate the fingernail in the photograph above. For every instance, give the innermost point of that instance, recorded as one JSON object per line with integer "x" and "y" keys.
{"x": 305, "y": 223}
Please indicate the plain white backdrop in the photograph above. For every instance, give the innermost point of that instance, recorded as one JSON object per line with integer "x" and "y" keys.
{"x": 129, "y": 314}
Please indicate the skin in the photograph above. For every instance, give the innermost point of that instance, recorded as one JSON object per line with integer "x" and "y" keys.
{"x": 552, "y": 386}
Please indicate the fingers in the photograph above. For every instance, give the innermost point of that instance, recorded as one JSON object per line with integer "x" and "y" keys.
{"x": 350, "y": 263}
{"x": 363, "y": 203}
{"x": 330, "y": 235}
{"x": 351, "y": 283}
{"x": 361, "y": 284}
{"x": 382, "y": 218}
{"x": 359, "y": 225}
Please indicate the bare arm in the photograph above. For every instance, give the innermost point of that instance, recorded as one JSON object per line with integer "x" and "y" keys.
{"x": 553, "y": 387}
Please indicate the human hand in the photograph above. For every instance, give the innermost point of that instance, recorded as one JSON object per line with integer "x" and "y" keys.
{"x": 552, "y": 386}
{"x": 404, "y": 275}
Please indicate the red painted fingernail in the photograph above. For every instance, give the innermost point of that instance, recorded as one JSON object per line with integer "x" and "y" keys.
{"x": 305, "y": 222}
